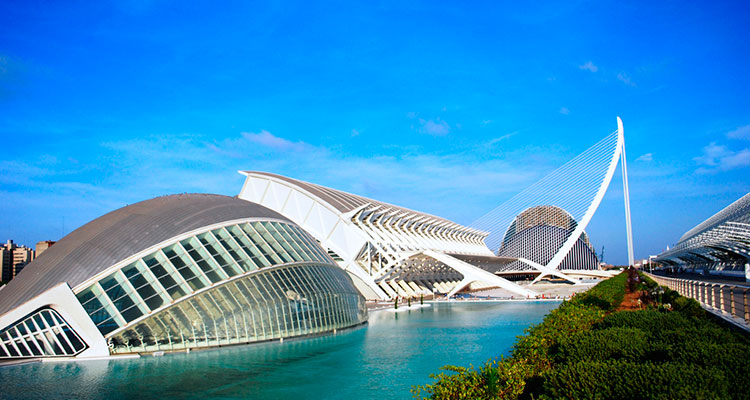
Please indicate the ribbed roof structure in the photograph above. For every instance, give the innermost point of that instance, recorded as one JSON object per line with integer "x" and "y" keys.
{"x": 721, "y": 242}
{"x": 119, "y": 234}
{"x": 739, "y": 211}
{"x": 345, "y": 202}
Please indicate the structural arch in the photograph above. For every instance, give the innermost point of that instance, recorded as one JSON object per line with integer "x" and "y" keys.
{"x": 576, "y": 187}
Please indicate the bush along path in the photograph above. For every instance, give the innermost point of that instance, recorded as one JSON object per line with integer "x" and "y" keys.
{"x": 626, "y": 338}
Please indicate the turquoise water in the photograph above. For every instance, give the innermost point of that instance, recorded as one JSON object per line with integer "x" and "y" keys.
{"x": 380, "y": 360}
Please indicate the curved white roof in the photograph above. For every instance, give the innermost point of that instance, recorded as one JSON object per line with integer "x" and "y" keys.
{"x": 119, "y": 234}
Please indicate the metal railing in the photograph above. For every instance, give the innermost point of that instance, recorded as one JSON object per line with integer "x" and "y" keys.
{"x": 726, "y": 300}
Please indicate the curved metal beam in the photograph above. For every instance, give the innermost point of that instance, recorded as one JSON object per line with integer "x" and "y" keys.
{"x": 571, "y": 241}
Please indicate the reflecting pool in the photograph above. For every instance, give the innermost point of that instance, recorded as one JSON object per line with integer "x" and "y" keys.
{"x": 380, "y": 360}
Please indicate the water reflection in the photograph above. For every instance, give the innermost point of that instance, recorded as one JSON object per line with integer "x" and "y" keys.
{"x": 379, "y": 360}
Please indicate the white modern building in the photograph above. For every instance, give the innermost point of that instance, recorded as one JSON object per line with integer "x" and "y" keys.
{"x": 171, "y": 274}
{"x": 393, "y": 251}
{"x": 718, "y": 245}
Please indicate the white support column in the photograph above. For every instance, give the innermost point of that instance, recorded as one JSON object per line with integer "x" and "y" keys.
{"x": 626, "y": 192}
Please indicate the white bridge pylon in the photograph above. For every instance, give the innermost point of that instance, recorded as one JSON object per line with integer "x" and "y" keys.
{"x": 577, "y": 187}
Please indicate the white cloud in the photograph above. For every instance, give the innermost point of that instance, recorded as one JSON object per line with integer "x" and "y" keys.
{"x": 267, "y": 139}
{"x": 564, "y": 111}
{"x": 717, "y": 158}
{"x": 355, "y": 132}
{"x": 486, "y": 122}
{"x": 743, "y": 132}
{"x": 625, "y": 78}
{"x": 736, "y": 160}
{"x": 500, "y": 138}
{"x": 712, "y": 154}
{"x": 589, "y": 66}
{"x": 428, "y": 182}
{"x": 645, "y": 157}
{"x": 435, "y": 127}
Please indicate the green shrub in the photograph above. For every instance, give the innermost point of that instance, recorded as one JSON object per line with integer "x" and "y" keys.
{"x": 688, "y": 306}
{"x": 651, "y": 321}
{"x": 495, "y": 379}
{"x": 607, "y": 295}
{"x": 567, "y": 320}
{"x": 628, "y": 380}
{"x": 630, "y": 344}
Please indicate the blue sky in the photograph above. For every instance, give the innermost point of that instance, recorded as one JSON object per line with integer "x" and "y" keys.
{"x": 441, "y": 107}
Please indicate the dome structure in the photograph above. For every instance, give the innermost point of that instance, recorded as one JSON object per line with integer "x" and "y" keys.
{"x": 538, "y": 232}
{"x": 175, "y": 272}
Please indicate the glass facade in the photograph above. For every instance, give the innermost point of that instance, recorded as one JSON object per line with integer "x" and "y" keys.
{"x": 41, "y": 334}
{"x": 194, "y": 292}
{"x": 279, "y": 302}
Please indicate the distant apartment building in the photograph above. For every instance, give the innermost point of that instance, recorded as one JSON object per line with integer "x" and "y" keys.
{"x": 13, "y": 258}
{"x": 43, "y": 245}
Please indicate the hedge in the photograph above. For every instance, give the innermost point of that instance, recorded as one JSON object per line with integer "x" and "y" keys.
{"x": 586, "y": 349}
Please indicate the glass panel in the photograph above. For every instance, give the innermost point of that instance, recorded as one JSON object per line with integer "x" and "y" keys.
{"x": 167, "y": 281}
{"x": 311, "y": 243}
{"x": 302, "y": 250}
{"x": 200, "y": 257}
{"x": 141, "y": 285}
{"x": 273, "y": 242}
{"x": 227, "y": 263}
{"x": 94, "y": 307}
{"x": 112, "y": 288}
{"x": 185, "y": 267}
{"x": 234, "y": 250}
{"x": 250, "y": 248}
{"x": 270, "y": 254}
{"x": 282, "y": 240}
{"x": 281, "y": 302}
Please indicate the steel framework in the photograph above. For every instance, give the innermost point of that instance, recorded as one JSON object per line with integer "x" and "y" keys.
{"x": 393, "y": 251}
{"x": 577, "y": 188}
{"x": 720, "y": 243}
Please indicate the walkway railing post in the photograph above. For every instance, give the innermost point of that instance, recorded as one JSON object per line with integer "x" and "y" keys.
{"x": 697, "y": 291}
{"x": 706, "y": 299}
{"x": 732, "y": 300}
{"x": 713, "y": 296}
